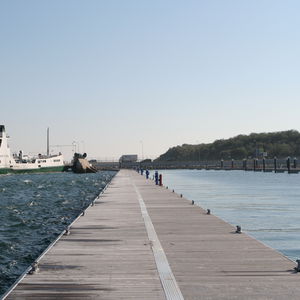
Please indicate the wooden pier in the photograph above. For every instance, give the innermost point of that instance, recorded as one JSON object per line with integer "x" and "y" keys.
{"x": 141, "y": 241}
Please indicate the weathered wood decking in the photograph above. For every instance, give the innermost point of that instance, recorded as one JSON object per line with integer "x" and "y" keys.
{"x": 108, "y": 254}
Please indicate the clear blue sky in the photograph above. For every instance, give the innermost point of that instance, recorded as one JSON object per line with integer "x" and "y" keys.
{"x": 115, "y": 73}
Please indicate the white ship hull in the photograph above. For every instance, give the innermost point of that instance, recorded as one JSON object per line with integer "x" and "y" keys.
{"x": 10, "y": 164}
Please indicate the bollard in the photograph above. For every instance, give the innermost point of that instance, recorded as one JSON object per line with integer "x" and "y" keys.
{"x": 160, "y": 180}
{"x": 193, "y": 202}
{"x": 208, "y": 212}
{"x": 297, "y": 269}
{"x": 238, "y": 229}
{"x": 67, "y": 231}
{"x": 83, "y": 213}
{"x": 156, "y": 178}
{"x": 34, "y": 268}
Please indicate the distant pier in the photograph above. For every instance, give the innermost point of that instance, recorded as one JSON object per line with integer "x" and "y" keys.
{"x": 275, "y": 165}
{"x": 142, "y": 241}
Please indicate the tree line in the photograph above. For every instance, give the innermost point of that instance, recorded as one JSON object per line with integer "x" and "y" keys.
{"x": 280, "y": 144}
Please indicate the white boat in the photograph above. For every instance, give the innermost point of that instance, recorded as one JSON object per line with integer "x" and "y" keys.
{"x": 24, "y": 164}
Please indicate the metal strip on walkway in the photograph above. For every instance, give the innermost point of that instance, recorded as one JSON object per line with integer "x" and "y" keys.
{"x": 170, "y": 286}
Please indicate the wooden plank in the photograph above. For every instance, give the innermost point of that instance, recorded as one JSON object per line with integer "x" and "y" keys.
{"x": 208, "y": 259}
{"x": 168, "y": 281}
{"x": 106, "y": 256}
{"x": 109, "y": 256}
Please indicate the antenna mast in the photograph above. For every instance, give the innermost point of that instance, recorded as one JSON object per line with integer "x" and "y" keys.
{"x": 48, "y": 141}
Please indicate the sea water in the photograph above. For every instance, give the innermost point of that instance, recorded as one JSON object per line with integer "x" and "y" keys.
{"x": 265, "y": 205}
{"x": 34, "y": 210}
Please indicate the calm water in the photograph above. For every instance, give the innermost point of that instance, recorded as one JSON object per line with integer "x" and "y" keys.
{"x": 34, "y": 209}
{"x": 266, "y": 205}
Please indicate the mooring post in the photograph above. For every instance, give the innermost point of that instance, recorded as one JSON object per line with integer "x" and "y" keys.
{"x": 156, "y": 178}
{"x": 34, "y": 268}
{"x": 288, "y": 164}
{"x": 275, "y": 164}
{"x": 297, "y": 269}
{"x": 67, "y": 231}
{"x": 245, "y": 164}
{"x": 238, "y": 229}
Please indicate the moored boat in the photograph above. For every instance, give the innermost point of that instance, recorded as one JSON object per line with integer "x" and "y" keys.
{"x": 24, "y": 164}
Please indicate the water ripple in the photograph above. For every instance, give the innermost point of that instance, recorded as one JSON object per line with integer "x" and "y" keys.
{"x": 34, "y": 209}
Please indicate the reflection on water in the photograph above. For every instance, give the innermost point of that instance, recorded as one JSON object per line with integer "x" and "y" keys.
{"x": 266, "y": 205}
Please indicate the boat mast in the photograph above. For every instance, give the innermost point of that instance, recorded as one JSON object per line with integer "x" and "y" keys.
{"x": 48, "y": 141}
